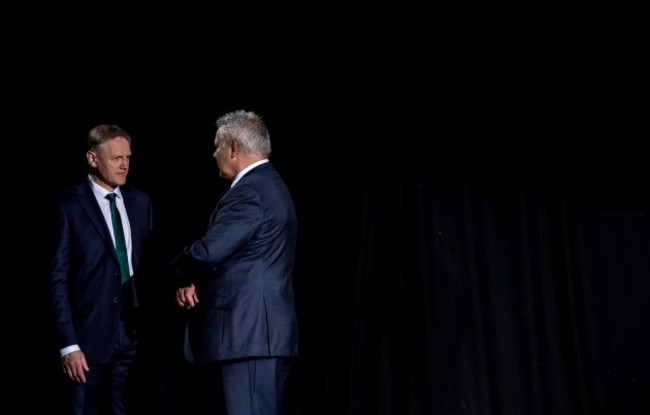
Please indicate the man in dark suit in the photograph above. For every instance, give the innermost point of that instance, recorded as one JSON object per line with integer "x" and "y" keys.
{"x": 238, "y": 278}
{"x": 94, "y": 302}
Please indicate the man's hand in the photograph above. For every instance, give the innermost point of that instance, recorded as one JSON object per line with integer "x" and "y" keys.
{"x": 186, "y": 297}
{"x": 75, "y": 366}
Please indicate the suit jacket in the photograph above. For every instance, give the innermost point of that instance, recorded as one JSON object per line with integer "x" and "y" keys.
{"x": 243, "y": 269}
{"x": 88, "y": 296}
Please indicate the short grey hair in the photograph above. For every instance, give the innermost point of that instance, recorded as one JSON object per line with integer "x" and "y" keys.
{"x": 248, "y": 129}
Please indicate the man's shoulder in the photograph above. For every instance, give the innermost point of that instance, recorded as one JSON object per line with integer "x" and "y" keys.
{"x": 73, "y": 193}
{"x": 130, "y": 191}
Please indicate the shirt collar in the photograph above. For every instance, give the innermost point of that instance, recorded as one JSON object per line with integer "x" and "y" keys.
{"x": 247, "y": 169}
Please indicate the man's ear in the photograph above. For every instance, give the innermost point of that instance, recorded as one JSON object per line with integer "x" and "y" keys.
{"x": 92, "y": 158}
{"x": 234, "y": 148}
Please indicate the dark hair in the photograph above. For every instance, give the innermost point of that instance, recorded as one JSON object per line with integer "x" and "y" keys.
{"x": 104, "y": 132}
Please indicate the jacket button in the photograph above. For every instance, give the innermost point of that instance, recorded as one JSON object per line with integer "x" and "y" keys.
{"x": 116, "y": 300}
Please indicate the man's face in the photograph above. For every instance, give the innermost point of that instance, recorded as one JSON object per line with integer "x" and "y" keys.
{"x": 111, "y": 162}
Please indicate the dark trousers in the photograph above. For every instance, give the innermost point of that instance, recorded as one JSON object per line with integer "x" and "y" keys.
{"x": 103, "y": 392}
{"x": 255, "y": 387}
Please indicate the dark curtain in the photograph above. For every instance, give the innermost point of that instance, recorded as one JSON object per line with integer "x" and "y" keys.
{"x": 502, "y": 286}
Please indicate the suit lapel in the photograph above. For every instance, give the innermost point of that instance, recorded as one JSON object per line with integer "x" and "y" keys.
{"x": 94, "y": 213}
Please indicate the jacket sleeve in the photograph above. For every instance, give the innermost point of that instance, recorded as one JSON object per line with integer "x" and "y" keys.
{"x": 186, "y": 270}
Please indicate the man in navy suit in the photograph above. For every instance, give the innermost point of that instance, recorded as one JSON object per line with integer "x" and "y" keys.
{"x": 94, "y": 310}
{"x": 238, "y": 278}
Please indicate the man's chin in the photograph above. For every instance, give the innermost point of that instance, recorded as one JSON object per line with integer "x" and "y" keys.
{"x": 119, "y": 182}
